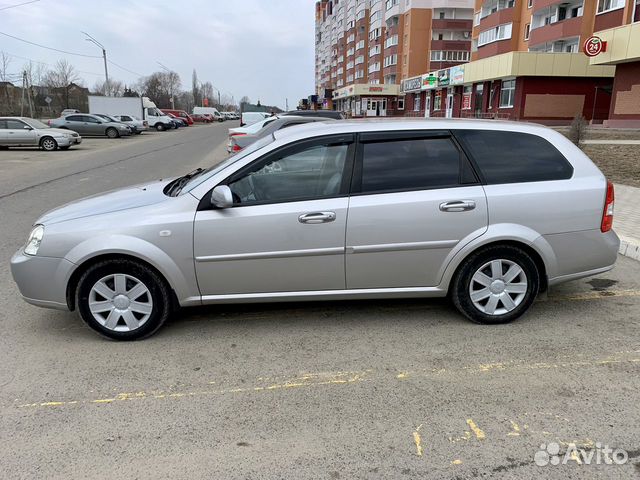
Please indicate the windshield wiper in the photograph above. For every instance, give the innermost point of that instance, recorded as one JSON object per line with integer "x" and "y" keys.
{"x": 179, "y": 183}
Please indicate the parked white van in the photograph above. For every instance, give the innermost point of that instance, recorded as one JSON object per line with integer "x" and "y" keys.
{"x": 248, "y": 118}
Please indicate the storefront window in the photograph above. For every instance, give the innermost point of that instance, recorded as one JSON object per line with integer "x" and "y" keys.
{"x": 507, "y": 93}
{"x": 416, "y": 102}
{"x": 437, "y": 101}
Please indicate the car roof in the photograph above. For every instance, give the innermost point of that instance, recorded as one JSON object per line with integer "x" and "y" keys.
{"x": 331, "y": 127}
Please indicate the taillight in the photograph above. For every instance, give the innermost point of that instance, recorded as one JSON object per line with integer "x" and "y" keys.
{"x": 236, "y": 148}
{"x": 607, "y": 213}
{"x": 236, "y": 134}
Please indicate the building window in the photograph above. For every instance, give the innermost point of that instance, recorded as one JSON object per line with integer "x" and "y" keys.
{"x": 527, "y": 31}
{"x": 360, "y": 15}
{"x": 437, "y": 101}
{"x": 416, "y": 102}
{"x": 389, "y": 4}
{"x": 501, "y": 32}
{"x": 401, "y": 104}
{"x": 374, "y": 51}
{"x": 493, "y": 6}
{"x": 449, "y": 56}
{"x": 359, "y": 60}
{"x": 360, "y": 45}
{"x": 529, "y": 3}
{"x": 391, "y": 60}
{"x": 391, "y": 41}
{"x": 607, "y": 5}
{"x": 507, "y": 93}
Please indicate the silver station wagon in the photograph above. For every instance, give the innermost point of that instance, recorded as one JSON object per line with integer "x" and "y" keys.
{"x": 490, "y": 213}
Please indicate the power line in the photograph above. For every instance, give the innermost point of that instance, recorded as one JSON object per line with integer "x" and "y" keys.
{"x": 18, "y": 5}
{"x": 49, "y": 48}
{"x": 48, "y": 64}
{"x": 125, "y": 69}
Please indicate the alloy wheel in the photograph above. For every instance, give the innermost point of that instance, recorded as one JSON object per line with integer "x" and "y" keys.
{"x": 498, "y": 287}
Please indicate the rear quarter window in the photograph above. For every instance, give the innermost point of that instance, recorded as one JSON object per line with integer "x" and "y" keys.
{"x": 514, "y": 157}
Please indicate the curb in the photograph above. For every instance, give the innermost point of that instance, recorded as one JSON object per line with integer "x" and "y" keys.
{"x": 629, "y": 248}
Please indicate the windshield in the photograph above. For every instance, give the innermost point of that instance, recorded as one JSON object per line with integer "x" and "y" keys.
{"x": 213, "y": 169}
{"x": 35, "y": 123}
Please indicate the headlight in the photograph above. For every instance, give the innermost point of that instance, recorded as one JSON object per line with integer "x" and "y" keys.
{"x": 34, "y": 240}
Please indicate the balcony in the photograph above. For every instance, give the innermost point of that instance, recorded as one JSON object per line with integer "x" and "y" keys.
{"x": 540, "y": 4}
{"x": 556, "y": 31}
{"x": 495, "y": 19}
{"x": 462, "y": 45}
{"x": 452, "y": 24}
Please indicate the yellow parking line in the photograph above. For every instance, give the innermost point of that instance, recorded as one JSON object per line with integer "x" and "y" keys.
{"x": 353, "y": 377}
{"x": 418, "y": 440}
{"x": 475, "y": 429}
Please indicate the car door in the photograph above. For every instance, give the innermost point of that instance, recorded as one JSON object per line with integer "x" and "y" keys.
{"x": 19, "y": 133}
{"x": 3, "y": 132}
{"x": 285, "y": 231}
{"x": 415, "y": 197}
{"x": 94, "y": 125}
{"x": 77, "y": 124}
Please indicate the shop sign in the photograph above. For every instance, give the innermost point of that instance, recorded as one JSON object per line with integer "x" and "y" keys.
{"x": 412, "y": 84}
{"x": 443, "y": 78}
{"x": 466, "y": 101}
{"x": 456, "y": 75}
{"x": 594, "y": 46}
{"x": 429, "y": 80}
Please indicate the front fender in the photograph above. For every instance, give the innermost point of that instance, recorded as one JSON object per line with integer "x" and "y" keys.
{"x": 183, "y": 284}
{"x": 509, "y": 232}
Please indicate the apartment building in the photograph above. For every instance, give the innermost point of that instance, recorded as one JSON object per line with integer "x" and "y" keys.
{"x": 508, "y": 78}
{"x": 366, "y": 48}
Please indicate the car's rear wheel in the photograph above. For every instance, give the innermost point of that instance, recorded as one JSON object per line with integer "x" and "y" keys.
{"x": 496, "y": 285}
{"x": 123, "y": 299}
{"x": 112, "y": 133}
{"x": 48, "y": 144}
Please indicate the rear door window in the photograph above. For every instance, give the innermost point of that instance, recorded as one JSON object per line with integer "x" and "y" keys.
{"x": 409, "y": 164}
{"x": 514, "y": 157}
{"x": 75, "y": 118}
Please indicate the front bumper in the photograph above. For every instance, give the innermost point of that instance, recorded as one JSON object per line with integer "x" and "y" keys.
{"x": 67, "y": 142}
{"x": 42, "y": 281}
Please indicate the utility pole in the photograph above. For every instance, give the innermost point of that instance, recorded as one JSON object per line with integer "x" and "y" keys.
{"x": 286, "y": 104}
{"x": 28, "y": 88}
{"x": 104, "y": 58}
{"x": 24, "y": 87}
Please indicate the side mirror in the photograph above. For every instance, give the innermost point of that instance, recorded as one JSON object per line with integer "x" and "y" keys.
{"x": 221, "y": 197}
{"x": 27, "y": 127}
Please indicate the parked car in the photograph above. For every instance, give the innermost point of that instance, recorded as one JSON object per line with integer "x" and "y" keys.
{"x": 69, "y": 111}
{"x": 249, "y": 118}
{"x": 249, "y": 130}
{"x": 137, "y": 125}
{"x": 316, "y": 113}
{"x": 109, "y": 118}
{"x": 490, "y": 213}
{"x": 87, "y": 124}
{"x": 202, "y": 118}
{"x": 238, "y": 142}
{"x": 28, "y": 132}
{"x": 180, "y": 114}
{"x": 176, "y": 122}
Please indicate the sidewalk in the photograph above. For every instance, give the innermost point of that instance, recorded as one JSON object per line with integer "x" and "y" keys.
{"x": 626, "y": 220}
{"x": 610, "y": 142}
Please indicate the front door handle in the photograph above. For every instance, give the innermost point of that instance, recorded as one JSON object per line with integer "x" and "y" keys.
{"x": 458, "y": 206}
{"x": 317, "y": 217}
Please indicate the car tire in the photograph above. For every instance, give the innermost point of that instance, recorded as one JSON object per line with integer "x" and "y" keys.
{"x": 112, "y": 133}
{"x": 48, "y": 144}
{"x": 123, "y": 299}
{"x": 495, "y": 285}
{"x": 160, "y": 127}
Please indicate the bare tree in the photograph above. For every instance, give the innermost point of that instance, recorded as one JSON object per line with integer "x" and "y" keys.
{"x": 207, "y": 91}
{"x": 36, "y": 72}
{"x": 5, "y": 62}
{"x": 115, "y": 88}
{"x": 195, "y": 88}
{"x": 61, "y": 77}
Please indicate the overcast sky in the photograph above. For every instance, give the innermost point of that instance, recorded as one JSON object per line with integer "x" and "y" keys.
{"x": 260, "y": 48}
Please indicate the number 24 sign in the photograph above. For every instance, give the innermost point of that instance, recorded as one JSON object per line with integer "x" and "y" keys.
{"x": 594, "y": 46}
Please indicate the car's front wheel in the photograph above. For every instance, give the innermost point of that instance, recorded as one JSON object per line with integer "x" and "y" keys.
{"x": 496, "y": 285}
{"x": 123, "y": 299}
{"x": 112, "y": 133}
{"x": 48, "y": 144}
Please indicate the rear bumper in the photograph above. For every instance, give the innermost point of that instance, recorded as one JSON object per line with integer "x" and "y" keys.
{"x": 582, "y": 254}
{"x": 42, "y": 281}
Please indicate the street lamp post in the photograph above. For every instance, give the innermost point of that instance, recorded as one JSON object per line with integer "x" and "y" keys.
{"x": 104, "y": 57}
{"x": 171, "y": 92}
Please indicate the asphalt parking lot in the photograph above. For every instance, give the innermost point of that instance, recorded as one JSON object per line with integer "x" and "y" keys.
{"x": 341, "y": 390}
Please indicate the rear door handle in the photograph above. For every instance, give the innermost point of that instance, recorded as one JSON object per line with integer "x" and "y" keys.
{"x": 317, "y": 217}
{"x": 458, "y": 206}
